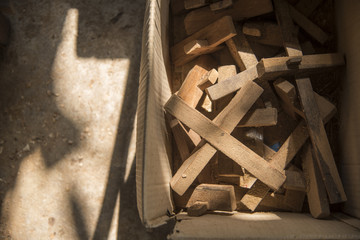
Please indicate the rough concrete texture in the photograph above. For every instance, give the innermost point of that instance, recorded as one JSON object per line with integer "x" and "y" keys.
{"x": 68, "y": 94}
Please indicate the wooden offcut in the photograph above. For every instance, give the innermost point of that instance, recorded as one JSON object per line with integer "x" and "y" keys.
{"x": 215, "y": 34}
{"x": 196, "y": 47}
{"x": 261, "y": 117}
{"x": 316, "y": 193}
{"x": 241, "y": 9}
{"x": 320, "y": 142}
{"x": 217, "y": 197}
{"x": 208, "y": 79}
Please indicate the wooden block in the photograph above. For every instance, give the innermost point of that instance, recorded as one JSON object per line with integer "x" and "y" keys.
{"x": 189, "y": 90}
{"x": 295, "y": 180}
{"x": 233, "y": 179}
{"x": 241, "y": 51}
{"x": 207, "y": 104}
{"x": 197, "y": 209}
{"x": 225, "y": 72}
{"x": 254, "y": 196}
{"x": 216, "y": 6}
{"x": 306, "y": 7}
{"x": 226, "y": 143}
{"x": 267, "y": 33}
{"x": 191, "y": 4}
{"x": 208, "y": 79}
{"x": 199, "y": 18}
{"x": 215, "y": 34}
{"x": 308, "y": 26}
{"x": 261, "y": 117}
{"x": 227, "y": 120}
{"x": 316, "y": 194}
{"x": 287, "y": 93}
{"x": 272, "y": 68}
{"x": 196, "y": 47}
{"x": 291, "y": 43}
{"x": 322, "y": 149}
{"x": 218, "y": 197}
{"x": 180, "y": 135}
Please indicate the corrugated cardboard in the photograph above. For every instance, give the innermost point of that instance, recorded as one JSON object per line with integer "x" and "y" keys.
{"x": 153, "y": 170}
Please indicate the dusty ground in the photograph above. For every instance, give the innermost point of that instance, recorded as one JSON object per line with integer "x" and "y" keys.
{"x": 68, "y": 92}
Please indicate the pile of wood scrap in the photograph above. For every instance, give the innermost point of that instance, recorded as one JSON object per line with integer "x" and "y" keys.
{"x": 248, "y": 128}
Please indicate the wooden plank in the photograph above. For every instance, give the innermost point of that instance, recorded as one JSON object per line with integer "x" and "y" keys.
{"x": 218, "y": 197}
{"x": 241, "y": 51}
{"x": 196, "y": 47}
{"x": 306, "y": 7}
{"x": 199, "y": 18}
{"x": 254, "y": 196}
{"x": 215, "y": 34}
{"x": 225, "y": 72}
{"x": 189, "y": 90}
{"x": 308, "y": 26}
{"x": 291, "y": 43}
{"x": 226, "y": 143}
{"x": 191, "y": 4}
{"x": 208, "y": 79}
{"x": 322, "y": 149}
{"x": 267, "y": 33}
{"x": 227, "y": 120}
{"x": 223, "y": 4}
{"x": 287, "y": 93}
{"x": 261, "y": 117}
{"x": 295, "y": 180}
{"x": 272, "y": 68}
{"x": 316, "y": 194}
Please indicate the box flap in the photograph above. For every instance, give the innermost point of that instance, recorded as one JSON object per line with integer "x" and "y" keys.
{"x": 261, "y": 226}
{"x": 153, "y": 170}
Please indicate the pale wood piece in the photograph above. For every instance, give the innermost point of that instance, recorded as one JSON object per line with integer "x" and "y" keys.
{"x": 208, "y": 79}
{"x": 267, "y": 33}
{"x": 233, "y": 179}
{"x": 241, "y": 51}
{"x": 272, "y": 68}
{"x": 195, "y": 46}
{"x": 207, "y": 104}
{"x": 197, "y": 209}
{"x": 316, "y": 194}
{"x": 218, "y": 197}
{"x": 216, "y": 6}
{"x": 254, "y": 196}
{"x": 215, "y": 34}
{"x": 322, "y": 149}
{"x": 189, "y": 90}
{"x": 290, "y": 201}
{"x": 295, "y": 181}
{"x": 226, "y": 143}
{"x": 225, "y": 72}
{"x": 180, "y": 136}
{"x": 306, "y": 7}
{"x": 191, "y": 4}
{"x": 261, "y": 117}
{"x": 308, "y": 26}
{"x": 199, "y": 18}
{"x": 287, "y": 93}
{"x": 290, "y": 40}
{"x": 205, "y": 61}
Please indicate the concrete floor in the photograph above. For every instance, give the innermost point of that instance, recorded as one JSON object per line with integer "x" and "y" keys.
{"x": 68, "y": 95}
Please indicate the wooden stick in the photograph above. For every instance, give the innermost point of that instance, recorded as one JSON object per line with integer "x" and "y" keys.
{"x": 322, "y": 149}
{"x": 287, "y": 93}
{"x": 272, "y": 68}
{"x": 195, "y": 47}
{"x": 223, "y": 141}
{"x": 291, "y": 43}
{"x": 208, "y": 79}
{"x": 308, "y": 26}
{"x": 199, "y": 18}
{"x": 261, "y": 117}
{"x": 215, "y": 34}
{"x": 316, "y": 194}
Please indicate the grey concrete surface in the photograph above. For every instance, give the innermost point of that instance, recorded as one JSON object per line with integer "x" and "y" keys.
{"x": 68, "y": 95}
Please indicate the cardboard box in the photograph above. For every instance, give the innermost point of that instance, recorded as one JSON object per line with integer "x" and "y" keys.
{"x": 153, "y": 154}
